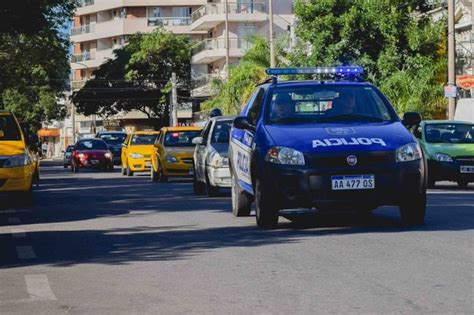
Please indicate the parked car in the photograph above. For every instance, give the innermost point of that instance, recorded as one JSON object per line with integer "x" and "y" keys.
{"x": 114, "y": 140}
{"x": 465, "y": 110}
{"x": 449, "y": 149}
{"x": 67, "y": 156}
{"x": 136, "y": 152}
{"x": 19, "y": 166}
{"x": 173, "y": 153}
{"x": 91, "y": 153}
{"x": 211, "y": 163}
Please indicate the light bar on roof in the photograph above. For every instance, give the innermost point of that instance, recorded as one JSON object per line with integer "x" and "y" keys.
{"x": 342, "y": 70}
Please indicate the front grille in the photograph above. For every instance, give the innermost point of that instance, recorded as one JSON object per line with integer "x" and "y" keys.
{"x": 187, "y": 161}
{"x": 465, "y": 159}
{"x": 363, "y": 159}
{"x": 147, "y": 156}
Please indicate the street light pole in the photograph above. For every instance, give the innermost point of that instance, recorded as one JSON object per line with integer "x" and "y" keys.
{"x": 226, "y": 8}
{"x": 272, "y": 35}
{"x": 451, "y": 58}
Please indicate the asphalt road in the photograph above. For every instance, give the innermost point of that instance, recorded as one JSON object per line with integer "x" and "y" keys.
{"x": 101, "y": 243}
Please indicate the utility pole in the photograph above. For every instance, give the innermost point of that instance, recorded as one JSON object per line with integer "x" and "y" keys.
{"x": 174, "y": 102}
{"x": 272, "y": 35}
{"x": 451, "y": 58}
{"x": 472, "y": 42}
{"x": 226, "y": 8}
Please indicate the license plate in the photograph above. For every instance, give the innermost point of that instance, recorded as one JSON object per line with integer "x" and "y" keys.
{"x": 467, "y": 169}
{"x": 95, "y": 161}
{"x": 353, "y": 182}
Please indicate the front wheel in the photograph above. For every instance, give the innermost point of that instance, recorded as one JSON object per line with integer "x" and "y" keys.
{"x": 212, "y": 191}
{"x": 163, "y": 177}
{"x": 241, "y": 201}
{"x": 129, "y": 171}
{"x": 123, "y": 170}
{"x": 413, "y": 209}
{"x": 154, "y": 176}
{"x": 198, "y": 187}
{"x": 266, "y": 210}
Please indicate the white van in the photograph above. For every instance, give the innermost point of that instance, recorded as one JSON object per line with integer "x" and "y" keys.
{"x": 465, "y": 110}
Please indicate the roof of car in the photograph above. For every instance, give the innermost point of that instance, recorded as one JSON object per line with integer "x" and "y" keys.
{"x": 145, "y": 132}
{"x": 445, "y": 121}
{"x": 219, "y": 118}
{"x": 181, "y": 128}
{"x": 111, "y": 132}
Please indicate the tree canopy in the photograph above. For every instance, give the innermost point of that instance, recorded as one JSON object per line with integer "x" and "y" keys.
{"x": 34, "y": 66}
{"x": 138, "y": 78}
{"x": 401, "y": 49}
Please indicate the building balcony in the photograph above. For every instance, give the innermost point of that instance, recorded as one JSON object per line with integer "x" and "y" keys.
{"x": 202, "y": 85}
{"x": 213, "y": 49}
{"x": 127, "y": 26}
{"x": 92, "y": 59}
{"x": 104, "y": 5}
{"x": 84, "y": 3}
{"x": 213, "y": 14}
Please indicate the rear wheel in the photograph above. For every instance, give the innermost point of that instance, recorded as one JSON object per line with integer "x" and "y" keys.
{"x": 462, "y": 183}
{"x": 413, "y": 209}
{"x": 266, "y": 210}
{"x": 241, "y": 201}
{"x": 163, "y": 177}
{"x": 431, "y": 183}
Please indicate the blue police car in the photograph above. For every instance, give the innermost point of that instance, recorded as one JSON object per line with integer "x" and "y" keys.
{"x": 334, "y": 144}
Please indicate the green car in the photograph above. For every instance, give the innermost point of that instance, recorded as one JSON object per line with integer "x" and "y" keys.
{"x": 449, "y": 149}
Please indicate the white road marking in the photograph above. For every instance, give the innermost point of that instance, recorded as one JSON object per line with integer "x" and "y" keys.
{"x": 25, "y": 252}
{"x": 38, "y": 288}
{"x": 17, "y": 233}
{"x": 14, "y": 220}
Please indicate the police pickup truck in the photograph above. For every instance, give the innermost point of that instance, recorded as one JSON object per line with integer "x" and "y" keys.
{"x": 335, "y": 144}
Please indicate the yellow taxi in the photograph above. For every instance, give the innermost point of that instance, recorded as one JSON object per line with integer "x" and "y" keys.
{"x": 173, "y": 155}
{"x": 19, "y": 168}
{"x": 137, "y": 151}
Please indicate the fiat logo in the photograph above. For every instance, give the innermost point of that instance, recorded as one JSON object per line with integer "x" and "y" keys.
{"x": 351, "y": 160}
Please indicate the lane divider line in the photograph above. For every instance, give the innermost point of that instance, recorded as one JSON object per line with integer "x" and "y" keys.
{"x": 18, "y": 233}
{"x": 25, "y": 252}
{"x": 39, "y": 288}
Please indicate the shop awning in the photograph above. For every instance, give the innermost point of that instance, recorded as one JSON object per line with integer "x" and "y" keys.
{"x": 48, "y": 132}
{"x": 465, "y": 82}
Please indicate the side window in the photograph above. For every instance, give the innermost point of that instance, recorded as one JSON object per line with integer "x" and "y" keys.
{"x": 205, "y": 132}
{"x": 256, "y": 107}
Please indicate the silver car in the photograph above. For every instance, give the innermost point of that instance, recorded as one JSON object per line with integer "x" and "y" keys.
{"x": 211, "y": 164}
{"x": 67, "y": 156}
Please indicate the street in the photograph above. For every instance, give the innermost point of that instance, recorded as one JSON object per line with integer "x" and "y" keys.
{"x": 109, "y": 244}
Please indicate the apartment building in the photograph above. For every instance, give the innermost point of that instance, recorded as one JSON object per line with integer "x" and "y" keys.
{"x": 100, "y": 26}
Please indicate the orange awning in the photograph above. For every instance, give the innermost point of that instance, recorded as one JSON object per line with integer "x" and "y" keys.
{"x": 48, "y": 133}
{"x": 465, "y": 81}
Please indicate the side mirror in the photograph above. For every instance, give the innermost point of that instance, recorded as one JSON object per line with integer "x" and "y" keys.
{"x": 124, "y": 145}
{"x": 198, "y": 140}
{"x": 156, "y": 145}
{"x": 411, "y": 119}
{"x": 243, "y": 122}
{"x": 2, "y": 134}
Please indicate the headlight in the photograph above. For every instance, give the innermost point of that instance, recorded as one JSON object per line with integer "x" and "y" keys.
{"x": 443, "y": 157}
{"x": 81, "y": 155}
{"x": 409, "y": 152}
{"x": 218, "y": 161}
{"x": 171, "y": 159}
{"x": 287, "y": 156}
{"x": 17, "y": 161}
{"x": 108, "y": 155}
{"x": 136, "y": 156}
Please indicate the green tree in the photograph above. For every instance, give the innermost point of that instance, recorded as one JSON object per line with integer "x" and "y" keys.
{"x": 34, "y": 63}
{"x": 138, "y": 78}
{"x": 392, "y": 39}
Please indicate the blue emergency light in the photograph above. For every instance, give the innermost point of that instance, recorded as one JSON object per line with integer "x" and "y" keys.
{"x": 340, "y": 70}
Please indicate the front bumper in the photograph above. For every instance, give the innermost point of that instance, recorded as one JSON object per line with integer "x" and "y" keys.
{"x": 449, "y": 171}
{"x": 16, "y": 179}
{"x": 180, "y": 169}
{"x": 100, "y": 163}
{"x": 219, "y": 177}
{"x": 294, "y": 187}
{"x": 140, "y": 165}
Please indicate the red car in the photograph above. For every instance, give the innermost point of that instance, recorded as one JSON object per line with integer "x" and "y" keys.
{"x": 91, "y": 153}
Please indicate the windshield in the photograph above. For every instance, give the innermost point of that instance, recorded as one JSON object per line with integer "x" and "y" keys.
{"x": 69, "y": 148}
{"x": 113, "y": 138}
{"x": 449, "y": 133}
{"x": 180, "y": 138}
{"x": 9, "y": 130}
{"x": 326, "y": 103}
{"x": 91, "y": 145}
{"x": 143, "y": 139}
{"x": 221, "y": 132}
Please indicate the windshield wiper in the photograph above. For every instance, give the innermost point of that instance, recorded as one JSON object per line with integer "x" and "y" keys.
{"x": 350, "y": 117}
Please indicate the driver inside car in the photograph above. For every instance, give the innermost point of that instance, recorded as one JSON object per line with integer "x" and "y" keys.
{"x": 283, "y": 106}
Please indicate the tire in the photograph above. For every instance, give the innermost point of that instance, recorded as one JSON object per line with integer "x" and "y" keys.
{"x": 241, "y": 201}
{"x": 129, "y": 171}
{"x": 413, "y": 209}
{"x": 431, "y": 183}
{"x": 123, "y": 170}
{"x": 76, "y": 169}
{"x": 65, "y": 165}
{"x": 72, "y": 168}
{"x": 163, "y": 177}
{"x": 266, "y": 210}
{"x": 154, "y": 176}
{"x": 462, "y": 183}
{"x": 198, "y": 187}
{"x": 212, "y": 191}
